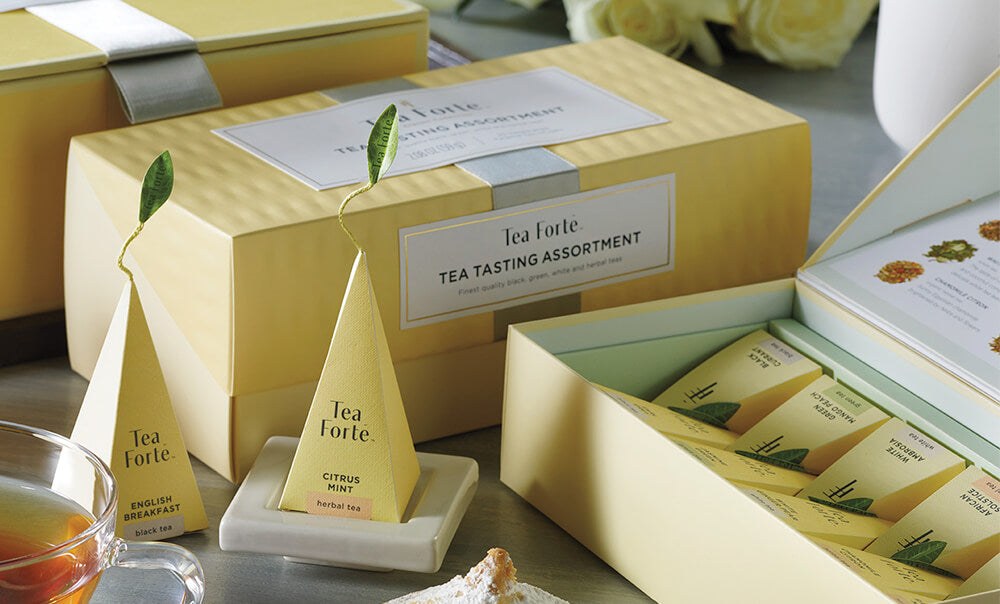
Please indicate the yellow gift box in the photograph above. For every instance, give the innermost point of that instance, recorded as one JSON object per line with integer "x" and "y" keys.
{"x": 678, "y": 531}
{"x": 54, "y": 86}
{"x": 246, "y": 266}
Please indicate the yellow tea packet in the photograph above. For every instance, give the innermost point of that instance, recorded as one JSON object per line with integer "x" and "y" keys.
{"x": 818, "y": 520}
{"x": 899, "y": 596}
{"x": 743, "y": 471}
{"x": 741, "y": 383}
{"x": 887, "y": 474}
{"x": 956, "y": 530}
{"x": 887, "y": 574}
{"x": 987, "y": 578}
{"x": 669, "y": 422}
{"x": 812, "y": 429}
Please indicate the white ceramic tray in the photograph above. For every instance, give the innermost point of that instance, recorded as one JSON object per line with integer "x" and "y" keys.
{"x": 253, "y": 522}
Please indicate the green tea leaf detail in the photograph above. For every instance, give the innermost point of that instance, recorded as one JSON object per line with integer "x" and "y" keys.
{"x": 795, "y": 456}
{"x": 382, "y": 143}
{"x": 156, "y": 186}
{"x": 715, "y": 414}
{"x": 922, "y": 552}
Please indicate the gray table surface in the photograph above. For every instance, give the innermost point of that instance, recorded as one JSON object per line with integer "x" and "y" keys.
{"x": 850, "y": 156}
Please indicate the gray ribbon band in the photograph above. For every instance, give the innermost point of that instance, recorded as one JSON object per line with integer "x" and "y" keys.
{"x": 155, "y": 66}
{"x": 153, "y": 88}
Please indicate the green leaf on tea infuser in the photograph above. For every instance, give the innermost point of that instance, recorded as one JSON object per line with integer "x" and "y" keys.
{"x": 156, "y": 186}
{"x": 382, "y": 144}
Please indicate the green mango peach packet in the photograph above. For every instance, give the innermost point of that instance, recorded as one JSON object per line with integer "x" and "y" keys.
{"x": 812, "y": 429}
{"x": 956, "y": 530}
{"x": 670, "y": 422}
{"x": 987, "y": 578}
{"x": 888, "y": 574}
{"x": 887, "y": 474}
{"x": 818, "y": 520}
{"x": 743, "y": 471}
{"x": 740, "y": 384}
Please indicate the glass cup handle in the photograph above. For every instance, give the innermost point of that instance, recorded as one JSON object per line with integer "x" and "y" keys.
{"x": 154, "y": 555}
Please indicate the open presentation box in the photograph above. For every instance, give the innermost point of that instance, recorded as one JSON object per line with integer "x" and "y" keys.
{"x": 670, "y": 525}
{"x": 54, "y": 86}
{"x": 242, "y": 272}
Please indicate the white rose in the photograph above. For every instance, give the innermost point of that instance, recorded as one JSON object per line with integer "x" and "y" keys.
{"x": 801, "y": 34}
{"x": 668, "y": 26}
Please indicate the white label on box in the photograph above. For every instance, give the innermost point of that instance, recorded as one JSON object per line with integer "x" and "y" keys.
{"x": 781, "y": 351}
{"x": 764, "y": 503}
{"x": 440, "y": 126}
{"x": 540, "y": 250}
{"x": 920, "y": 444}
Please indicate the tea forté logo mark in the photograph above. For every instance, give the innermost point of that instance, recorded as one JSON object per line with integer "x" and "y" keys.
{"x": 345, "y": 425}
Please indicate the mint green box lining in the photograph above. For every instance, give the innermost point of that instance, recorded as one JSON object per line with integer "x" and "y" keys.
{"x": 642, "y": 353}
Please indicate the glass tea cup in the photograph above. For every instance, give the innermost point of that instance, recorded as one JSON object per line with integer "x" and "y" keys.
{"x": 58, "y": 507}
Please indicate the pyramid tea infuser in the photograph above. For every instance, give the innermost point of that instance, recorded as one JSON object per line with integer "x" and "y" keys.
{"x": 127, "y": 418}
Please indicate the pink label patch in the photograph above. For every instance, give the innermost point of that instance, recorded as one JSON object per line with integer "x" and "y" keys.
{"x": 331, "y": 504}
{"x": 989, "y": 486}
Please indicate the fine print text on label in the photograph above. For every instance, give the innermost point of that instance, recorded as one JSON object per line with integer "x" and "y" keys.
{"x": 535, "y": 251}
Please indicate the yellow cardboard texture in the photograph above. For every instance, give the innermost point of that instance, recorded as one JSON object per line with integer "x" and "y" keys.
{"x": 262, "y": 327}
{"x": 741, "y": 383}
{"x": 956, "y": 529}
{"x": 745, "y": 471}
{"x": 985, "y": 579}
{"x": 899, "y": 596}
{"x": 888, "y": 473}
{"x": 818, "y": 520}
{"x": 670, "y": 422}
{"x": 813, "y": 428}
{"x": 253, "y": 52}
{"x": 355, "y": 458}
{"x": 126, "y": 418}
{"x": 885, "y": 573}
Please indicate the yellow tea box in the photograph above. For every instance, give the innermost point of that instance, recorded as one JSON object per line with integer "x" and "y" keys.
{"x": 886, "y": 474}
{"x": 886, "y": 573}
{"x": 253, "y": 50}
{"x": 818, "y": 520}
{"x": 986, "y": 578}
{"x": 739, "y": 385}
{"x": 459, "y": 247}
{"x": 812, "y": 429}
{"x": 744, "y": 471}
{"x": 956, "y": 530}
{"x": 672, "y": 423}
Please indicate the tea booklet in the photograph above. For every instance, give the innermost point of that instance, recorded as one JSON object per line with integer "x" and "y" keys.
{"x": 933, "y": 285}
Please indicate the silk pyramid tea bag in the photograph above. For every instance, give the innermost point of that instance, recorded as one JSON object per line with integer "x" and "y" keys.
{"x": 355, "y": 458}
{"x": 818, "y": 520}
{"x": 127, "y": 418}
{"x": 954, "y": 531}
{"x": 739, "y": 385}
{"x": 811, "y": 430}
{"x": 672, "y": 423}
{"x": 887, "y": 474}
